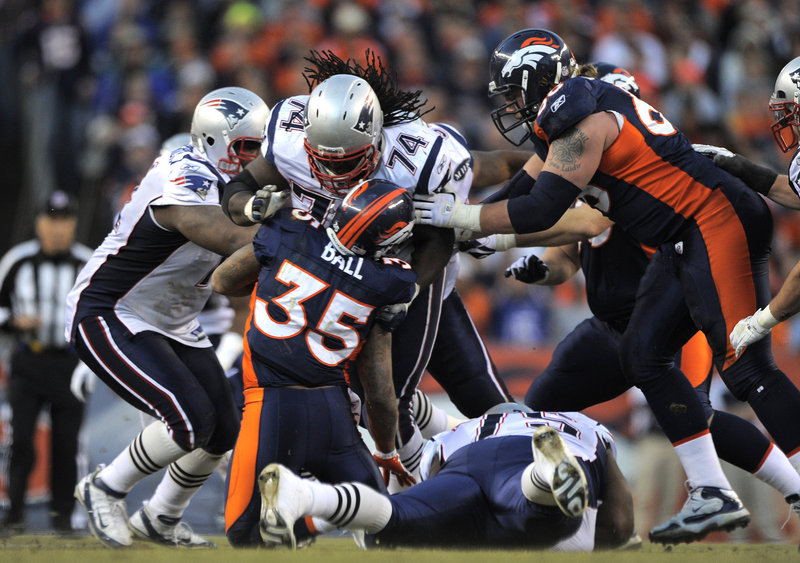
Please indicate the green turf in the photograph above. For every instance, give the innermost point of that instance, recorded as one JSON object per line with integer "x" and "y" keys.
{"x": 43, "y": 548}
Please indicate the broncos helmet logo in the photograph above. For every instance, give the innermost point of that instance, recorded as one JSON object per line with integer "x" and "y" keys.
{"x": 529, "y": 55}
{"x": 232, "y": 111}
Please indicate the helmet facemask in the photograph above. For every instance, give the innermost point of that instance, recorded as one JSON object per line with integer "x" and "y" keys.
{"x": 787, "y": 121}
{"x": 241, "y": 152}
{"x": 338, "y": 172}
{"x": 513, "y": 117}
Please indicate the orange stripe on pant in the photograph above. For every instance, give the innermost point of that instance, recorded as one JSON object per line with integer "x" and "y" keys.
{"x": 729, "y": 257}
{"x": 242, "y": 471}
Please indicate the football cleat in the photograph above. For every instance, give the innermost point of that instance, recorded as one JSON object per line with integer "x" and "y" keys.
{"x": 707, "y": 509}
{"x": 565, "y": 475}
{"x": 165, "y": 530}
{"x": 107, "y": 514}
{"x": 283, "y": 496}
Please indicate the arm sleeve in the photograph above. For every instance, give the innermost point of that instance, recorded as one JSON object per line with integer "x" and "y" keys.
{"x": 520, "y": 184}
{"x": 543, "y": 206}
{"x": 242, "y": 182}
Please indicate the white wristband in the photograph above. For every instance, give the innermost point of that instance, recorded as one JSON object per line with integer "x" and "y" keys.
{"x": 467, "y": 217}
{"x": 383, "y": 455}
{"x": 504, "y": 242}
{"x": 766, "y": 319}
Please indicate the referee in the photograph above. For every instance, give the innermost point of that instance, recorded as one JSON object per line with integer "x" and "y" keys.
{"x": 35, "y": 277}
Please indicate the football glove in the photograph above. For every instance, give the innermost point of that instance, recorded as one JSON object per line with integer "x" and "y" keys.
{"x": 486, "y": 246}
{"x": 265, "y": 203}
{"x": 390, "y": 464}
{"x": 752, "y": 329}
{"x": 528, "y": 269}
{"x": 82, "y": 382}
{"x": 445, "y": 210}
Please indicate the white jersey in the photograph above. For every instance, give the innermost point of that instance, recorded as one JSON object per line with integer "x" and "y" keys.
{"x": 153, "y": 278}
{"x": 582, "y": 434}
{"x": 419, "y": 157}
{"x": 794, "y": 173}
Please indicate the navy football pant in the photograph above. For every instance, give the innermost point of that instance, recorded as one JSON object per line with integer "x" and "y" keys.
{"x": 179, "y": 384}
{"x": 476, "y": 500}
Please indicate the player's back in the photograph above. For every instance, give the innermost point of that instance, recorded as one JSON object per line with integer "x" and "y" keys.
{"x": 650, "y": 180}
{"x": 313, "y": 306}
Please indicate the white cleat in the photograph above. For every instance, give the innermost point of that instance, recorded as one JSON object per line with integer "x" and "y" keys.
{"x": 107, "y": 514}
{"x": 283, "y": 498}
{"x": 567, "y": 480}
{"x": 164, "y": 530}
{"x": 706, "y": 510}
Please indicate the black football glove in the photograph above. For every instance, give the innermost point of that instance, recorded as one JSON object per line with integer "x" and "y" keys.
{"x": 528, "y": 269}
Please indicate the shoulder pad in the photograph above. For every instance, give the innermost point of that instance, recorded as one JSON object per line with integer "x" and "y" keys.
{"x": 566, "y": 105}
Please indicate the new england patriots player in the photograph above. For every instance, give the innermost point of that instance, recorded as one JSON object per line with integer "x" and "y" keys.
{"x": 357, "y": 124}
{"x": 132, "y": 317}
{"x": 324, "y": 298}
{"x": 711, "y": 232}
{"x": 511, "y": 478}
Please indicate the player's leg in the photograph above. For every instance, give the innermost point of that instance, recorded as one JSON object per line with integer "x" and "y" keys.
{"x": 659, "y": 326}
{"x": 583, "y": 371}
{"x": 145, "y": 371}
{"x": 615, "y": 524}
{"x": 461, "y": 364}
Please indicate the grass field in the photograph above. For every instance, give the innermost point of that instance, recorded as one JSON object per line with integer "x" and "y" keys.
{"x": 44, "y": 548}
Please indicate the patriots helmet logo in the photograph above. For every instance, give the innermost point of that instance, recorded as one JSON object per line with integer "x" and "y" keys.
{"x": 795, "y": 77}
{"x": 232, "y": 111}
{"x": 365, "y": 123}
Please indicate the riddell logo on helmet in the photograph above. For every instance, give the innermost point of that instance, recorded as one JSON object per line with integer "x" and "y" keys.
{"x": 232, "y": 111}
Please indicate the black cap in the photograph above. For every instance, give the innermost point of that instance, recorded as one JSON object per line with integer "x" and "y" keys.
{"x": 60, "y": 204}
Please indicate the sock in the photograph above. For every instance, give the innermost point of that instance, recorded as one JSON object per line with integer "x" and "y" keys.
{"x": 430, "y": 419}
{"x": 317, "y": 525}
{"x": 150, "y": 451}
{"x": 699, "y": 460}
{"x": 536, "y": 486}
{"x": 350, "y": 506}
{"x": 411, "y": 453}
{"x": 794, "y": 459}
{"x": 182, "y": 480}
{"x": 777, "y": 472}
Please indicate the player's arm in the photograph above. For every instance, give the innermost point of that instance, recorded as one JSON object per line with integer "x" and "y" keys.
{"x": 781, "y": 192}
{"x": 237, "y": 274}
{"x": 572, "y": 160}
{"x": 242, "y": 187}
{"x": 206, "y": 226}
{"x": 432, "y": 250}
{"x": 375, "y": 373}
{"x": 490, "y": 168}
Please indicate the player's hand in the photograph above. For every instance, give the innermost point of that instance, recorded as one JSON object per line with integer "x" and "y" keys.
{"x": 82, "y": 382}
{"x": 479, "y": 247}
{"x": 752, "y": 329}
{"x": 391, "y": 316}
{"x": 528, "y": 269}
{"x": 390, "y": 464}
{"x": 265, "y": 203}
{"x": 435, "y": 209}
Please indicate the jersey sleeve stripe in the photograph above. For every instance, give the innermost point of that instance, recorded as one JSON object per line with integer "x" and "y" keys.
{"x": 271, "y": 126}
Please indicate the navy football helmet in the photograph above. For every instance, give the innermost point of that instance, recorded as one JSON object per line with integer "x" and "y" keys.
{"x": 785, "y": 105}
{"x": 618, "y": 77}
{"x": 524, "y": 67}
{"x": 374, "y": 218}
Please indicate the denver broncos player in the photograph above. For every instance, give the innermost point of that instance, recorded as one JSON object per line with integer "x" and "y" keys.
{"x": 324, "y": 298}
{"x": 357, "y": 124}
{"x": 512, "y": 478}
{"x": 711, "y": 232}
{"x": 132, "y": 316}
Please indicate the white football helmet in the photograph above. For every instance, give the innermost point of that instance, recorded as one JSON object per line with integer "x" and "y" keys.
{"x": 227, "y": 127}
{"x": 343, "y": 125}
{"x": 785, "y": 105}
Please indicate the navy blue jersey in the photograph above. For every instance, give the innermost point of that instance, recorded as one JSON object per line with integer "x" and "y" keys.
{"x": 613, "y": 264}
{"x": 650, "y": 181}
{"x": 313, "y": 307}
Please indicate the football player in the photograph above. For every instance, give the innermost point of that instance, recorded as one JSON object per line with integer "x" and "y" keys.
{"x": 324, "y": 298}
{"x": 357, "y": 124}
{"x": 512, "y": 478}
{"x": 711, "y": 232}
{"x": 132, "y": 317}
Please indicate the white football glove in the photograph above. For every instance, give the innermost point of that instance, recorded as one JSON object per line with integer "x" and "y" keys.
{"x": 265, "y": 203}
{"x": 445, "y": 210}
{"x": 230, "y": 347}
{"x": 710, "y": 151}
{"x": 752, "y": 329}
{"x": 82, "y": 382}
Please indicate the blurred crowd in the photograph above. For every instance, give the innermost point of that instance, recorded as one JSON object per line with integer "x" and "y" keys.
{"x": 90, "y": 88}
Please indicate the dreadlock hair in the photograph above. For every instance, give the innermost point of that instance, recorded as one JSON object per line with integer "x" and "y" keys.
{"x": 398, "y": 105}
